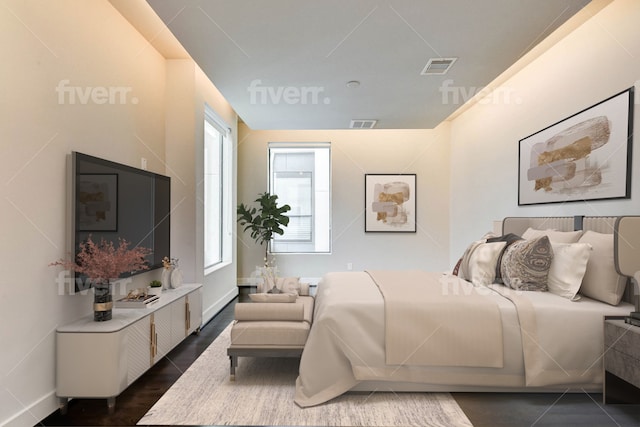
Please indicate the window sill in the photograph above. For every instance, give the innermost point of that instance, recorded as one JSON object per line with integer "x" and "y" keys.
{"x": 216, "y": 267}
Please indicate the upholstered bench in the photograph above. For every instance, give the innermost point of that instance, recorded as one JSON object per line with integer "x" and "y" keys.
{"x": 270, "y": 329}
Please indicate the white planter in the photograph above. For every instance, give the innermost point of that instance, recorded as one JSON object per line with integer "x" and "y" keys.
{"x": 154, "y": 291}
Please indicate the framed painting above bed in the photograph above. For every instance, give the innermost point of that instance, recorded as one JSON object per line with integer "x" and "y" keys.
{"x": 586, "y": 156}
{"x": 390, "y": 203}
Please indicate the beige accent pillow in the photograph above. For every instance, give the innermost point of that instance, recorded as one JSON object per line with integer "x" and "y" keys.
{"x": 463, "y": 271}
{"x": 462, "y": 267}
{"x": 553, "y": 235}
{"x": 601, "y": 280}
{"x": 567, "y": 268}
{"x": 482, "y": 263}
{"x": 264, "y": 297}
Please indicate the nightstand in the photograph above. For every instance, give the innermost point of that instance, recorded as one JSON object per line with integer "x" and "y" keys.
{"x": 621, "y": 361}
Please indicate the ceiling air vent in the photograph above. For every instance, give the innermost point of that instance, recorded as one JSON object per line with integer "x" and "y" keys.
{"x": 362, "y": 124}
{"x": 438, "y": 66}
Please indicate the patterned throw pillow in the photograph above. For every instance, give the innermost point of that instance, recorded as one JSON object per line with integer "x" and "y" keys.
{"x": 510, "y": 239}
{"x": 525, "y": 264}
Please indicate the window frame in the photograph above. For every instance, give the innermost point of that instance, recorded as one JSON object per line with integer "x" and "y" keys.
{"x": 225, "y": 211}
{"x": 318, "y": 244}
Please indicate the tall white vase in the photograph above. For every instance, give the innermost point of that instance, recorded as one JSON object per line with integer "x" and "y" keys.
{"x": 166, "y": 278}
{"x": 176, "y": 278}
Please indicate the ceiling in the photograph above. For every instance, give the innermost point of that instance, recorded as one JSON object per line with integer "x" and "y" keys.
{"x": 285, "y": 64}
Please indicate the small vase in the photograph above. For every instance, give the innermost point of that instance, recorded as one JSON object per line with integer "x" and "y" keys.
{"x": 166, "y": 278}
{"x": 176, "y": 278}
{"x": 102, "y": 301}
{"x": 269, "y": 280}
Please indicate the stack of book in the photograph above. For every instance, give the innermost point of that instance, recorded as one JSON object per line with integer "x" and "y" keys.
{"x": 138, "y": 301}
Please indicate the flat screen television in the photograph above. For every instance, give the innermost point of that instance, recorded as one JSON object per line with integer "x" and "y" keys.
{"x": 112, "y": 201}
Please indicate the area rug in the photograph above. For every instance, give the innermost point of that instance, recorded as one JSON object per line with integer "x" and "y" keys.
{"x": 263, "y": 395}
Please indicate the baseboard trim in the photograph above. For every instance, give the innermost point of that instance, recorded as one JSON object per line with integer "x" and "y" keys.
{"x": 35, "y": 412}
{"x": 216, "y": 307}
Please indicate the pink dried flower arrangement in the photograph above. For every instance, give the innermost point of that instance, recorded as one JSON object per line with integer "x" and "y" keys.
{"x": 104, "y": 261}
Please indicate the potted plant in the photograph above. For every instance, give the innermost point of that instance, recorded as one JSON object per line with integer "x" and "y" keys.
{"x": 103, "y": 262}
{"x": 155, "y": 287}
{"x": 265, "y": 221}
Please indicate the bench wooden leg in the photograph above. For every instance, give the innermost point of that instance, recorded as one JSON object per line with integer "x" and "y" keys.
{"x": 234, "y": 364}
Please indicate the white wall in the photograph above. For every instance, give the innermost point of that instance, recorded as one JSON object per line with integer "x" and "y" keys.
{"x": 93, "y": 47}
{"x": 353, "y": 154}
{"x": 596, "y": 61}
{"x": 467, "y": 170}
{"x": 188, "y": 89}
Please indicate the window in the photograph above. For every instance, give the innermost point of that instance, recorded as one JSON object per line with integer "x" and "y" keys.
{"x": 217, "y": 191}
{"x": 299, "y": 174}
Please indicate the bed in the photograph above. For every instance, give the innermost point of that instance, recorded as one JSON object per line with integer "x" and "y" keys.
{"x": 480, "y": 329}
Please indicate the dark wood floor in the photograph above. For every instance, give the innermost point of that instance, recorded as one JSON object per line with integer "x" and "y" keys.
{"x": 482, "y": 409}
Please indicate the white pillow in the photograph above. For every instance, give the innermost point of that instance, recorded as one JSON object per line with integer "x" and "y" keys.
{"x": 463, "y": 271}
{"x": 554, "y": 236}
{"x": 264, "y": 297}
{"x": 601, "y": 280}
{"x": 567, "y": 268}
{"x": 479, "y": 262}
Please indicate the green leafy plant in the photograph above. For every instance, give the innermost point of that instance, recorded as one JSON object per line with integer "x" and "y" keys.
{"x": 265, "y": 221}
{"x": 155, "y": 283}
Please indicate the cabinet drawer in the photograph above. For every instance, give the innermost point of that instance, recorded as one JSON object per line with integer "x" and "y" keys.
{"x": 100, "y": 359}
{"x": 623, "y": 337}
{"x": 623, "y": 366}
{"x": 138, "y": 349}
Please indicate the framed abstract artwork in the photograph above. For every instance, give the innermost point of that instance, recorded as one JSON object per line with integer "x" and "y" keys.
{"x": 586, "y": 156}
{"x": 97, "y": 202}
{"x": 390, "y": 203}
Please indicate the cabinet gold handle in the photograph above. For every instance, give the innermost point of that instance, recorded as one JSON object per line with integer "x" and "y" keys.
{"x": 187, "y": 318}
{"x": 152, "y": 339}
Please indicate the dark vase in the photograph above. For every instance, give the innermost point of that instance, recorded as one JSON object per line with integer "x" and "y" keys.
{"x": 102, "y": 301}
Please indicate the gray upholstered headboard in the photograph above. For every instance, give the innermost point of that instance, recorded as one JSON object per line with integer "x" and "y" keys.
{"x": 626, "y": 250}
{"x": 625, "y": 230}
{"x": 518, "y": 225}
{"x": 627, "y": 245}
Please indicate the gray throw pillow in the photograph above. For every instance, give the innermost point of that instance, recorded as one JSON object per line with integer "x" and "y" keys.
{"x": 525, "y": 264}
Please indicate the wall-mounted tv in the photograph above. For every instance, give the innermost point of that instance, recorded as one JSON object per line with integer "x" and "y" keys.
{"x": 112, "y": 201}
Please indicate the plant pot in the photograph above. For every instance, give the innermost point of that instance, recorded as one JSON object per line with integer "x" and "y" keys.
{"x": 102, "y": 302}
{"x": 154, "y": 290}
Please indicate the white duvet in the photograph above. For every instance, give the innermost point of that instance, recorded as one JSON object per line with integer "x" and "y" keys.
{"x": 563, "y": 342}
{"x": 471, "y": 335}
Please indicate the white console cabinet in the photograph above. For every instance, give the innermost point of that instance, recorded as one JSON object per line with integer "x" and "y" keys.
{"x": 101, "y": 359}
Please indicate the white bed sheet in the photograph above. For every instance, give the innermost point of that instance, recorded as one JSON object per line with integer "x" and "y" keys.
{"x": 345, "y": 349}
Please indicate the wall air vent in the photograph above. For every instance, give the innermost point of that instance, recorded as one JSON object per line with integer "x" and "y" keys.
{"x": 438, "y": 66}
{"x": 362, "y": 124}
